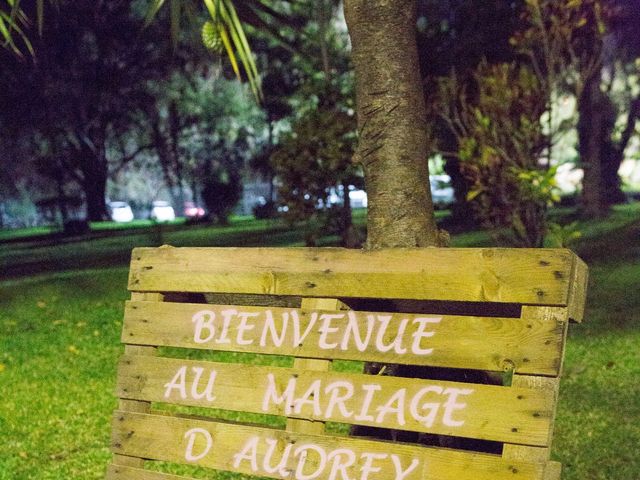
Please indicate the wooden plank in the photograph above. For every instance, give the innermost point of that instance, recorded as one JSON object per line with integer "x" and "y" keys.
{"x": 531, "y": 453}
{"x": 136, "y": 405}
{"x": 277, "y": 454}
{"x": 119, "y": 472}
{"x": 489, "y": 412}
{"x": 312, "y": 426}
{"x": 578, "y": 290}
{"x": 549, "y": 385}
{"x": 533, "y": 346}
{"x": 553, "y": 471}
{"x": 528, "y": 276}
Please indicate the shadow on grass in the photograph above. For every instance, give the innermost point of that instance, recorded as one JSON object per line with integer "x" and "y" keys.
{"x": 33, "y": 258}
{"x": 620, "y": 244}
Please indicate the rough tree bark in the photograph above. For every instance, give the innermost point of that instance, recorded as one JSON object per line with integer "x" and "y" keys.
{"x": 93, "y": 167}
{"x": 590, "y": 145}
{"x": 600, "y": 154}
{"x": 613, "y": 153}
{"x": 393, "y": 142}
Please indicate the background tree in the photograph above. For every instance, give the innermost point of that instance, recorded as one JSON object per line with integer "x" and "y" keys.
{"x": 602, "y": 141}
{"x": 312, "y": 163}
{"x": 506, "y": 120}
{"x": 223, "y": 127}
{"x": 313, "y": 160}
{"x": 459, "y": 35}
{"x": 500, "y": 140}
{"x": 280, "y": 79}
{"x": 84, "y": 90}
{"x": 18, "y": 177}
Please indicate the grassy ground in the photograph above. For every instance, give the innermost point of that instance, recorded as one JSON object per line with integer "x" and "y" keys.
{"x": 30, "y": 257}
{"x": 32, "y": 251}
{"x": 59, "y": 341}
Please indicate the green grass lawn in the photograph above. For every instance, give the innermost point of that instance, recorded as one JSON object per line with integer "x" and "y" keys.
{"x": 59, "y": 342}
{"x": 18, "y": 259}
{"x": 28, "y": 252}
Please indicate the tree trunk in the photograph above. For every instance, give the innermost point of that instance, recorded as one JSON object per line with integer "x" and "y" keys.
{"x": 174, "y": 132}
{"x": 393, "y": 145}
{"x": 163, "y": 151}
{"x": 393, "y": 141}
{"x": 94, "y": 186}
{"x": 92, "y": 163}
{"x": 590, "y": 147}
{"x": 613, "y": 154}
{"x": 62, "y": 200}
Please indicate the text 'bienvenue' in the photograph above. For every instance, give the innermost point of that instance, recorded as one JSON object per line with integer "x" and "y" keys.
{"x": 325, "y": 331}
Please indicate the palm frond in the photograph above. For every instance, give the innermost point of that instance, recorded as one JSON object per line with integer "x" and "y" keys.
{"x": 224, "y": 27}
{"x": 40, "y": 15}
{"x": 212, "y": 8}
{"x": 176, "y": 11}
{"x": 224, "y": 35}
{"x": 225, "y": 19}
{"x": 152, "y": 11}
{"x": 10, "y": 28}
{"x": 262, "y": 7}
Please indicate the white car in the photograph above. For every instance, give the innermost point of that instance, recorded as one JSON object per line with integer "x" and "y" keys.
{"x": 441, "y": 191}
{"x": 161, "y": 211}
{"x": 120, "y": 212}
{"x": 357, "y": 198}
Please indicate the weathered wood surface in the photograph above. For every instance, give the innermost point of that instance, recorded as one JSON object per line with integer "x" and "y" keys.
{"x": 305, "y": 425}
{"x": 578, "y": 290}
{"x": 531, "y": 346}
{"x": 527, "y": 276}
{"x": 507, "y": 414}
{"x": 546, "y": 285}
{"x": 249, "y": 450}
{"x": 550, "y": 385}
{"x": 553, "y": 471}
{"x": 120, "y": 472}
{"x": 136, "y": 405}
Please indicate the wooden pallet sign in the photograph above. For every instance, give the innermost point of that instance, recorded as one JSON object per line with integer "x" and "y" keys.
{"x": 251, "y": 334}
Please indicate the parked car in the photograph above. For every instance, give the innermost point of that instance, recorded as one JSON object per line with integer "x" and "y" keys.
{"x": 120, "y": 211}
{"x": 193, "y": 211}
{"x": 441, "y": 191}
{"x": 161, "y": 211}
{"x": 358, "y": 198}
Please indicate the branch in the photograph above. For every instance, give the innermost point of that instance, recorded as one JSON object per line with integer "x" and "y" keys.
{"x": 126, "y": 159}
{"x": 630, "y": 128}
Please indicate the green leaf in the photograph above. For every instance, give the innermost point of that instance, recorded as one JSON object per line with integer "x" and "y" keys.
{"x": 227, "y": 45}
{"x": 9, "y": 25}
{"x": 223, "y": 32}
{"x": 152, "y": 11}
{"x": 40, "y": 15}
{"x": 235, "y": 20}
{"x": 213, "y": 10}
{"x": 235, "y": 38}
{"x": 175, "y": 21}
{"x": 472, "y": 194}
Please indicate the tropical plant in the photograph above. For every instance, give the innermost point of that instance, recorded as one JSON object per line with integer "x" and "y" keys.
{"x": 13, "y": 25}
{"x": 61, "y": 105}
{"x": 314, "y": 161}
{"x": 501, "y": 141}
{"x": 223, "y": 32}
